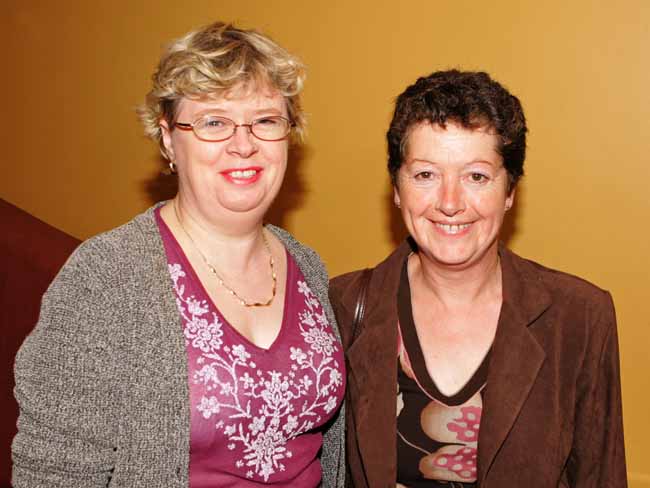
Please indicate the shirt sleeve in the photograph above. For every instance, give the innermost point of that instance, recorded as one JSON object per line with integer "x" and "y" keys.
{"x": 66, "y": 386}
{"x": 598, "y": 454}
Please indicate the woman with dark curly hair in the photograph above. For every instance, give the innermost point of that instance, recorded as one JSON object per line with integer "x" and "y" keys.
{"x": 469, "y": 365}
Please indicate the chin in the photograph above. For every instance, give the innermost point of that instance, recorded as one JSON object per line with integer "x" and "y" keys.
{"x": 248, "y": 199}
{"x": 244, "y": 203}
{"x": 456, "y": 262}
{"x": 461, "y": 258}
{"x": 245, "y": 208}
{"x": 449, "y": 256}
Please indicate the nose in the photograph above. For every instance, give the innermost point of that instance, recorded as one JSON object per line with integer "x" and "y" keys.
{"x": 451, "y": 199}
{"x": 242, "y": 142}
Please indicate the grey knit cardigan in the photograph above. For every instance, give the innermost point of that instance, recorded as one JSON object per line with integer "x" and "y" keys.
{"x": 102, "y": 380}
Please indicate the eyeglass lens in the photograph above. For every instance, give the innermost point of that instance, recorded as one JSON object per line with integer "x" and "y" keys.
{"x": 271, "y": 128}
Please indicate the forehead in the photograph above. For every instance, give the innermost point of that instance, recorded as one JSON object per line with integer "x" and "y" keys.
{"x": 239, "y": 100}
{"x": 451, "y": 144}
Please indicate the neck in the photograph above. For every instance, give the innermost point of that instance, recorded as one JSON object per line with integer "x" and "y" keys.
{"x": 455, "y": 288}
{"x": 232, "y": 246}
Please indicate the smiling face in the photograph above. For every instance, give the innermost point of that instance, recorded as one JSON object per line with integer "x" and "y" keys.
{"x": 452, "y": 190}
{"x": 241, "y": 175}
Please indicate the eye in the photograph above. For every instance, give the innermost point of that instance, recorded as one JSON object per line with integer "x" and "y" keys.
{"x": 478, "y": 178}
{"x": 214, "y": 122}
{"x": 424, "y": 175}
{"x": 268, "y": 121}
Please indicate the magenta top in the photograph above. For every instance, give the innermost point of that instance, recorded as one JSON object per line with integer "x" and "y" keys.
{"x": 256, "y": 413}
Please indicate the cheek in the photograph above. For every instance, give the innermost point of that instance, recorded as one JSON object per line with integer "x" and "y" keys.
{"x": 197, "y": 152}
{"x": 280, "y": 155}
{"x": 489, "y": 204}
{"x": 416, "y": 202}
{"x": 275, "y": 159}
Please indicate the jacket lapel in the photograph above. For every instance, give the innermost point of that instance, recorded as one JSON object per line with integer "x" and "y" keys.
{"x": 373, "y": 373}
{"x": 516, "y": 359}
{"x": 516, "y": 356}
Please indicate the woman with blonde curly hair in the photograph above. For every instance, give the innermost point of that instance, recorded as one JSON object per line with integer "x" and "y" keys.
{"x": 193, "y": 346}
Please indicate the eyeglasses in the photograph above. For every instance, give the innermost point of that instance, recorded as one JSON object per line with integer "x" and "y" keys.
{"x": 212, "y": 128}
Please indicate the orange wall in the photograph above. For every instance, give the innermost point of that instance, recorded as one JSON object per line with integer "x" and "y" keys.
{"x": 74, "y": 154}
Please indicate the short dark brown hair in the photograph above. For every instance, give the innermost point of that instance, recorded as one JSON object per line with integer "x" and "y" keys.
{"x": 468, "y": 98}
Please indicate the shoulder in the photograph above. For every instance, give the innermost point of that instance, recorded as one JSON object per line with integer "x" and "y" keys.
{"x": 344, "y": 285}
{"x": 580, "y": 306}
{"x": 558, "y": 283}
{"x": 292, "y": 244}
{"x": 307, "y": 259}
{"x": 344, "y": 292}
{"x": 384, "y": 280}
{"x": 109, "y": 257}
{"x": 133, "y": 236}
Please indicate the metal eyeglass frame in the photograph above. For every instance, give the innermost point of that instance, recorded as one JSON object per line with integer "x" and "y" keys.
{"x": 188, "y": 126}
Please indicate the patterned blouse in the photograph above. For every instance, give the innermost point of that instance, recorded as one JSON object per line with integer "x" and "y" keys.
{"x": 256, "y": 414}
{"x": 437, "y": 435}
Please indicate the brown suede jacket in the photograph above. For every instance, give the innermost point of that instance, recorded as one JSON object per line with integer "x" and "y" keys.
{"x": 552, "y": 409}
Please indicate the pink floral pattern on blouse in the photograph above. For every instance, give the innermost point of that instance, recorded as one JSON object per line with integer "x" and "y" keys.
{"x": 256, "y": 413}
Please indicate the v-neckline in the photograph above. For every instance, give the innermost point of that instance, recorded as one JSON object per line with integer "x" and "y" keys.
{"x": 476, "y": 382}
{"x": 187, "y": 265}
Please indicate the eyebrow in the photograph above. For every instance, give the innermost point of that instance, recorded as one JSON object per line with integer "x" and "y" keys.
{"x": 224, "y": 112}
{"x": 435, "y": 163}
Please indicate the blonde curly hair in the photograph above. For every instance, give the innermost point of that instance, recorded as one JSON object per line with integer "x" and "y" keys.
{"x": 213, "y": 61}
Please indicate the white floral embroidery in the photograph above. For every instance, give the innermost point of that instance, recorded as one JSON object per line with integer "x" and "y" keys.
{"x": 287, "y": 404}
{"x": 320, "y": 340}
{"x": 208, "y": 406}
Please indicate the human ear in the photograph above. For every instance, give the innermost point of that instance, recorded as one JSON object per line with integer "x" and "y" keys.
{"x": 166, "y": 139}
{"x": 510, "y": 200}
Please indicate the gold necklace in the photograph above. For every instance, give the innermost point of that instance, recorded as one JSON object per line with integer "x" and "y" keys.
{"x": 213, "y": 270}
